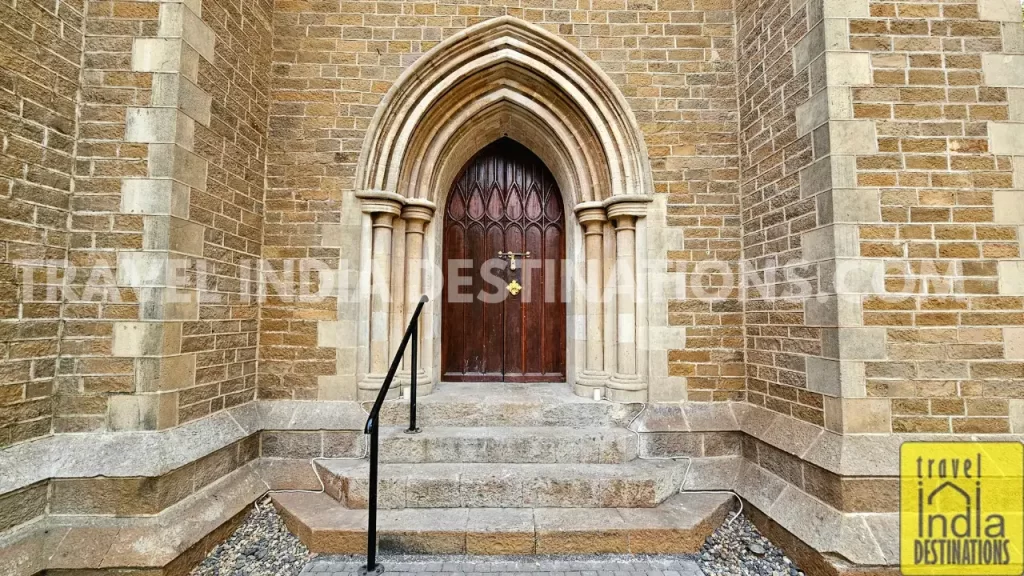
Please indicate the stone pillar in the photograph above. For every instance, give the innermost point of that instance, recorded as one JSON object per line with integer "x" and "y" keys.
{"x": 416, "y": 217}
{"x": 383, "y": 208}
{"x": 170, "y": 241}
{"x": 627, "y": 384}
{"x": 593, "y": 374}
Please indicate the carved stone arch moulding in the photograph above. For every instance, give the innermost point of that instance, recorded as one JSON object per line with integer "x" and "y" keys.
{"x": 507, "y": 78}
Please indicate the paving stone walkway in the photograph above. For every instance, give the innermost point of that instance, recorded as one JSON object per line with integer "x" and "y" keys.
{"x": 534, "y": 566}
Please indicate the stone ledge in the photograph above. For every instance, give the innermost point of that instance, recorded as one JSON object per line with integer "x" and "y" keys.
{"x": 154, "y": 453}
{"x": 167, "y": 543}
{"x": 865, "y": 539}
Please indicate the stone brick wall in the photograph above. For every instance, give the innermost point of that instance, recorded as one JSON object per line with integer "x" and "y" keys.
{"x": 109, "y": 86}
{"x": 879, "y": 150}
{"x": 231, "y": 208}
{"x": 777, "y": 204}
{"x": 169, "y": 183}
{"x": 944, "y": 102}
{"x": 40, "y": 54}
{"x": 674, "y": 62}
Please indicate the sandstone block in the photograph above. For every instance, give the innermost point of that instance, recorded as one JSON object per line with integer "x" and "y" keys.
{"x": 176, "y": 91}
{"x": 1006, "y": 138}
{"x": 179, "y": 21}
{"x": 169, "y": 55}
{"x": 846, "y": 205}
{"x": 168, "y": 303}
{"x": 1011, "y": 277}
{"x": 852, "y": 137}
{"x": 1013, "y": 340}
{"x": 1008, "y": 206}
{"x": 178, "y": 163}
{"x": 999, "y": 10}
{"x": 159, "y": 125}
{"x": 580, "y": 532}
{"x": 136, "y": 339}
{"x": 845, "y": 8}
{"x": 157, "y": 411}
{"x": 165, "y": 373}
{"x": 848, "y": 69}
{"x": 500, "y": 532}
{"x": 156, "y": 197}
{"x": 836, "y": 378}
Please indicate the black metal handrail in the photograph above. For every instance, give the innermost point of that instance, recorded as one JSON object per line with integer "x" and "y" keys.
{"x": 373, "y": 425}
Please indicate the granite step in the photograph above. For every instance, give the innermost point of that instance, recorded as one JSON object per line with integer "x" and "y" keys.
{"x": 537, "y": 445}
{"x": 507, "y": 404}
{"x": 677, "y": 526}
{"x": 637, "y": 484}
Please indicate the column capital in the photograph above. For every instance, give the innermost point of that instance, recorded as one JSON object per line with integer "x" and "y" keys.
{"x": 380, "y": 201}
{"x": 635, "y": 206}
{"x": 589, "y": 213}
{"x": 418, "y": 210}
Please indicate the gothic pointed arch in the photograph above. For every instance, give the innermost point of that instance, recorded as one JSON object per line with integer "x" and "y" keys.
{"x": 504, "y": 77}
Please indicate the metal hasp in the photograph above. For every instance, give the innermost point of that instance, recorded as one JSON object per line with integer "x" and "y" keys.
{"x": 373, "y": 427}
{"x": 512, "y": 257}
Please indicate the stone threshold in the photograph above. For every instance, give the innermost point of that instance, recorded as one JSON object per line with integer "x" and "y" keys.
{"x": 677, "y": 526}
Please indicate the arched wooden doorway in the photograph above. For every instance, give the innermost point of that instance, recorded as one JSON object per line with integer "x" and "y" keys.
{"x": 504, "y": 207}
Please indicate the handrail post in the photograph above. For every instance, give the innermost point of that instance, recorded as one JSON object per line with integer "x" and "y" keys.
{"x": 372, "y": 567}
{"x": 372, "y": 428}
{"x": 412, "y": 381}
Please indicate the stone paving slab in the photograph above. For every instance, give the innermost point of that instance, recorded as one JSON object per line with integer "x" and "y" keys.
{"x": 513, "y": 565}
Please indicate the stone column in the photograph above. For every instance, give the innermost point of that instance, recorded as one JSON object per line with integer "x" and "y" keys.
{"x": 416, "y": 216}
{"x": 627, "y": 384}
{"x": 383, "y": 208}
{"x": 593, "y": 374}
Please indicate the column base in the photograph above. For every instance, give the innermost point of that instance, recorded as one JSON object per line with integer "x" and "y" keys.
{"x": 590, "y": 380}
{"x": 370, "y": 385}
{"x": 403, "y": 380}
{"x": 368, "y": 388}
{"x": 627, "y": 388}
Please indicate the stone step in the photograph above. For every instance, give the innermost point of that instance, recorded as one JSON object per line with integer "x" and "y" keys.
{"x": 678, "y": 526}
{"x": 507, "y": 404}
{"x": 638, "y": 484}
{"x": 537, "y": 445}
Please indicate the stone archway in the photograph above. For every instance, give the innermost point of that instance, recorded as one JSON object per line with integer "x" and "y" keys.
{"x": 507, "y": 78}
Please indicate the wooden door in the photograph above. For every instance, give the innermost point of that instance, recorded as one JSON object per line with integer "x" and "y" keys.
{"x": 504, "y": 200}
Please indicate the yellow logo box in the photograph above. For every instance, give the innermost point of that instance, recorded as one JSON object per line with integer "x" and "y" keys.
{"x": 962, "y": 508}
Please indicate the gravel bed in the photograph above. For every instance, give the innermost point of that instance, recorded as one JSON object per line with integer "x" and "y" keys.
{"x": 738, "y": 549}
{"x": 262, "y": 546}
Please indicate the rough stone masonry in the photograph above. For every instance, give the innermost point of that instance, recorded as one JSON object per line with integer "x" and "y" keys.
{"x": 797, "y": 224}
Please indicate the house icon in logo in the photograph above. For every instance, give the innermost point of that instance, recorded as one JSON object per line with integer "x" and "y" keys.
{"x": 945, "y": 521}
